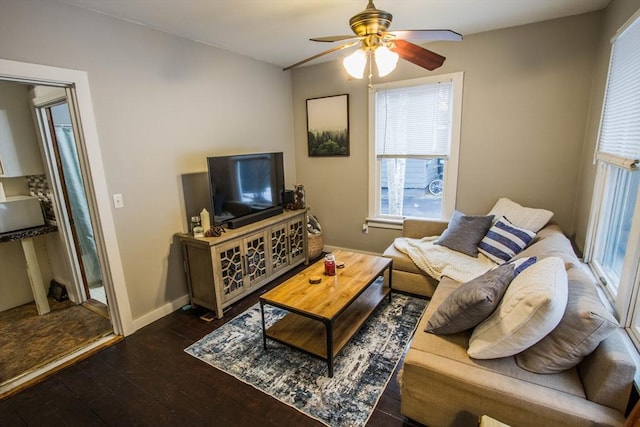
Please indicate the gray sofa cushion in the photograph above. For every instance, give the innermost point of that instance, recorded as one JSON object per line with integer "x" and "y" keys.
{"x": 465, "y": 232}
{"x": 585, "y": 323}
{"x": 472, "y": 302}
{"x": 550, "y": 242}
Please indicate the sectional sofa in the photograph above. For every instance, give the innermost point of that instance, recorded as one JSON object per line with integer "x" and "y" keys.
{"x": 556, "y": 378}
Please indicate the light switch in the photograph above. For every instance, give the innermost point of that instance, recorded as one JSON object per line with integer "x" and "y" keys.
{"x": 118, "y": 201}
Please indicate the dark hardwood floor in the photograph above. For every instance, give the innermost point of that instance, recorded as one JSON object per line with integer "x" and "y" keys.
{"x": 147, "y": 379}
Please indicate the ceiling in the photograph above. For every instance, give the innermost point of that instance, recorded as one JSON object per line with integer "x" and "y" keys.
{"x": 278, "y": 31}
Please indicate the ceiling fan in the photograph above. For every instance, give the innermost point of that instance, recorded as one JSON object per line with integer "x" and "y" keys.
{"x": 370, "y": 28}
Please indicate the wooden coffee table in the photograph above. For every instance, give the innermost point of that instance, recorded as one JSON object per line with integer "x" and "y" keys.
{"x": 323, "y": 317}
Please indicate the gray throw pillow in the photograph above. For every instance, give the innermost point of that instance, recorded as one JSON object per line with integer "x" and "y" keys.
{"x": 585, "y": 323}
{"x": 471, "y": 303}
{"x": 465, "y": 232}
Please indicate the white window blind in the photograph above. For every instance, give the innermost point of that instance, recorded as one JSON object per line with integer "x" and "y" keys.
{"x": 414, "y": 121}
{"x": 619, "y": 139}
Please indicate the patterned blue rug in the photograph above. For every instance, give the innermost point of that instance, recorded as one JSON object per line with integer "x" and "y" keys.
{"x": 361, "y": 371}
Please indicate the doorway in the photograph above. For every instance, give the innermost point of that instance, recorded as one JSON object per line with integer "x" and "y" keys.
{"x": 38, "y": 334}
{"x": 75, "y": 84}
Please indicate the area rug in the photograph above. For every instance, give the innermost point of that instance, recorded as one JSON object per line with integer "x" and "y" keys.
{"x": 361, "y": 371}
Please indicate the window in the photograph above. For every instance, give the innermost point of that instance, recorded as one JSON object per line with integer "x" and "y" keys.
{"x": 414, "y": 140}
{"x": 613, "y": 241}
{"x": 617, "y": 206}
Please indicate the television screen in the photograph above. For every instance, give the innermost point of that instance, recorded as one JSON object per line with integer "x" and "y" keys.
{"x": 246, "y": 187}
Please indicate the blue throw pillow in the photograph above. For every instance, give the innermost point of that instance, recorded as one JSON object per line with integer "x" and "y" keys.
{"x": 520, "y": 264}
{"x": 504, "y": 240}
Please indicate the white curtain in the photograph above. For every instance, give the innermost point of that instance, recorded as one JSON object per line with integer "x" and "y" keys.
{"x": 78, "y": 201}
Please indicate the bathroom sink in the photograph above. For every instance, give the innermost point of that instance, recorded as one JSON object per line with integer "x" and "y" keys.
{"x": 19, "y": 212}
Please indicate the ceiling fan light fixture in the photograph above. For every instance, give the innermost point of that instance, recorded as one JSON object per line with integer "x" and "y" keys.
{"x": 355, "y": 63}
{"x": 386, "y": 60}
{"x": 370, "y": 28}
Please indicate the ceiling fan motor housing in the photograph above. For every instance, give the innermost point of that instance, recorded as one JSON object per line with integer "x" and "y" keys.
{"x": 370, "y": 21}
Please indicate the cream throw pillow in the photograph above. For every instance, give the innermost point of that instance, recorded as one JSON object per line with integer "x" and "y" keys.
{"x": 531, "y": 307}
{"x": 531, "y": 219}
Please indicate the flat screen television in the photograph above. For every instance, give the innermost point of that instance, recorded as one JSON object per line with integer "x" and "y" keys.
{"x": 245, "y": 188}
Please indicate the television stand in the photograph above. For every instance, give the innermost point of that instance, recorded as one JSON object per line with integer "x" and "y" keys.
{"x": 221, "y": 270}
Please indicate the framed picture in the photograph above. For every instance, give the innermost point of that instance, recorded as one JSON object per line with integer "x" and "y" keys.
{"x": 328, "y": 126}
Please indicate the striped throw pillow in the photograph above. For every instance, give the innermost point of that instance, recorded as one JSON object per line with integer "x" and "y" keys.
{"x": 521, "y": 264}
{"x": 504, "y": 240}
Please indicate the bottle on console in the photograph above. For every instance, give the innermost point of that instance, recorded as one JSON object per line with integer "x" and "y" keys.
{"x": 205, "y": 220}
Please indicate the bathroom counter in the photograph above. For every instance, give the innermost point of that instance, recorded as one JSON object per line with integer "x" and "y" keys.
{"x": 27, "y": 232}
{"x": 25, "y": 237}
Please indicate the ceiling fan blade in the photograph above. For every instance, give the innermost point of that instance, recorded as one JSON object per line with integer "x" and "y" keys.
{"x": 311, "y": 58}
{"x": 418, "y": 55}
{"x": 329, "y": 39}
{"x": 426, "y": 35}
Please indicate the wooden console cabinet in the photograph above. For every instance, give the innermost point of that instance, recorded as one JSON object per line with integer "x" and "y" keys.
{"x": 221, "y": 270}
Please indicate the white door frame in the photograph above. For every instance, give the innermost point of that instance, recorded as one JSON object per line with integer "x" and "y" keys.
{"x": 98, "y": 194}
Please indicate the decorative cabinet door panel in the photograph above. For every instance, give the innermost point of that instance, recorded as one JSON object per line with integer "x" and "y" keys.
{"x": 230, "y": 258}
{"x": 297, "y": 230}
{"x": 279, "y": 247}
{"x": 255, "y": 255}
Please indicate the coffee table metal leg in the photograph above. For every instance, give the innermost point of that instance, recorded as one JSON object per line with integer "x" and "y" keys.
{"x": 390, "y": 268}
{"x": 264, "y": 329}
{"x": 329, "y": 328}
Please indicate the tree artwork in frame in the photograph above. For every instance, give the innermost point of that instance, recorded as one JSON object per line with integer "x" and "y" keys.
{"x": 328, "y": 126}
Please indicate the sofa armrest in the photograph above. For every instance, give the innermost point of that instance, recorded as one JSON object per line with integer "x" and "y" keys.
{"x": 607, "y": 373}
{"x": 439, "y": 391}
{"x": 419, "y": 228}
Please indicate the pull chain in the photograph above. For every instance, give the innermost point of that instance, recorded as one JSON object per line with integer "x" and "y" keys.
{"x": 370, "y": 68}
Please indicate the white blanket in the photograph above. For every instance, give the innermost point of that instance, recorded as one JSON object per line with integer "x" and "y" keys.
{"x": 439, "y": 261}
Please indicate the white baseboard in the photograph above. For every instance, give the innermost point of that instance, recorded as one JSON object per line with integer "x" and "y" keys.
{"x": 174, "y": 305}
{"x": 160, "y": 312}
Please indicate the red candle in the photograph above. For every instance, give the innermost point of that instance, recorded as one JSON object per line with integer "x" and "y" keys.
{"x": 330, "y": 265}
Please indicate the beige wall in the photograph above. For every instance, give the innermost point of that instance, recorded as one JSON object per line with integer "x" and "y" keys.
{"x": 162, "y": 104}
{"x": 618, "y": 12}
{"x": 525, "y": 103}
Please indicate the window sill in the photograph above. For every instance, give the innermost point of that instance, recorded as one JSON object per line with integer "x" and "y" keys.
{"x": 376, "y": 222}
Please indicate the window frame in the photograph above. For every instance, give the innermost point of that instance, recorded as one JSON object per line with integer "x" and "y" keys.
{"x": 612, "y": 151}
{"x": 450, "y": 174}
{"x": 623, "y": 299}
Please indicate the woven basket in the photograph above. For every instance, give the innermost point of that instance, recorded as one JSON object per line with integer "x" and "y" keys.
{"x": 315, "y": 245}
